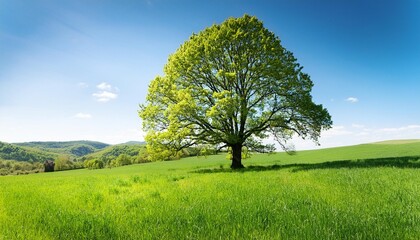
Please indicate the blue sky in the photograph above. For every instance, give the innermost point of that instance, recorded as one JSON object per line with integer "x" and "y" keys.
{"x": 77, "y": 70}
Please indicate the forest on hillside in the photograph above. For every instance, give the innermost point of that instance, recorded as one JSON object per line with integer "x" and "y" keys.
{"x": 24, "y": 158}
{"x": 29, "y": 157}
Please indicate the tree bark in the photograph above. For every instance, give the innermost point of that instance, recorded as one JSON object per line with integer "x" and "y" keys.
{"x": 237, "y": 156}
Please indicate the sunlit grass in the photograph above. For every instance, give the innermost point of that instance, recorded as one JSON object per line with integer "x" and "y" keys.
{"x": 289, "y": 197}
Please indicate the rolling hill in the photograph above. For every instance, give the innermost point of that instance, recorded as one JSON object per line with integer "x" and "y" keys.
{"x": 24, "y": 158}
{"x": 132, "y": 150}
{"x": 386, "y": 149}
{"x": 367, "y": 191}
{"x": 41, "y": 151}
{"x": 27, "y": 154}
{"x": 77, "y": 148}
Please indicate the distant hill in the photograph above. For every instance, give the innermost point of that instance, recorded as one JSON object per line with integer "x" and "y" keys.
{"x": 76, "y": 148}
{"x": 67, "y": 144}
{"x": 404, "y": 141}
{"x": 133, "y": 150}
{"x": 79, "y": 150}
{"x": 24, "y": 158}
{"x": 19, "y": 153}
{"x": 28, "y": 157}
{"x": 384, "y": 149}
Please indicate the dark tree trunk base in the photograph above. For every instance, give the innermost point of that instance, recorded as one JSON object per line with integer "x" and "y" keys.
{"x": 237, "y": 157}
{"x": 236, "y": 166}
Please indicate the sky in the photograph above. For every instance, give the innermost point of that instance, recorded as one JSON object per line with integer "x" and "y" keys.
{"x": 78, "y": 69}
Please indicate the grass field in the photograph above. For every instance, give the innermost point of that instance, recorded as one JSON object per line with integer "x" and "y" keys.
{"x": 369, "y": 191}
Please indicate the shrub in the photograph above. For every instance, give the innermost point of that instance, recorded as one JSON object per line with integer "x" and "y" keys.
{"x": 4, "y": 172}
{"x": 63, "y": 163}
{"x": 121, "y": 160}
{"x": 94, "y": 164}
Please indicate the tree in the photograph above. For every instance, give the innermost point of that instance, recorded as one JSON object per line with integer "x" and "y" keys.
{"x": 122, "y": 159}
{"x": 231, "y": 85}
{"x": 62, "y": 163}
{"x": 93, "y": 164}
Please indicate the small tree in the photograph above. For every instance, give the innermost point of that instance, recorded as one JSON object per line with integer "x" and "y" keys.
{"x": 122, "y": 160}
{"x": 93, "y": 164}
{"x": 63, "y": 163}
{"x": 142, "y": 156}
{"x": 231, "y": 85}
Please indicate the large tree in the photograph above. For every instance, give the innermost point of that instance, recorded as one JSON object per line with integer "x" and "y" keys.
{"x": 231, "y": 85}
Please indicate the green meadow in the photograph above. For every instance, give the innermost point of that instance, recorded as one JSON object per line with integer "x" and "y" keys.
{"x": 368, "y": 191}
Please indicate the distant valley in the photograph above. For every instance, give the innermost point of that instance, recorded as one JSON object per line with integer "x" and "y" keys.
{"x": 28, "y": 157}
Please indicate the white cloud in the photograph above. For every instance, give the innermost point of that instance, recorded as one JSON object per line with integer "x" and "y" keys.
{"x": 400, "y": 129}
{"x": 352, "y": 99}
{"x": 355, "y": 125}
{"x": 104, "y": 96}
{"x": 104, "y": 86}
{"x": 105, "y": 92}
{"x": 83, "y": 116}
{"x": 336, "y": 131}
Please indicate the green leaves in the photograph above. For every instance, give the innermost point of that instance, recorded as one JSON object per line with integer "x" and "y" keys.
{"x": 227, "y": 84}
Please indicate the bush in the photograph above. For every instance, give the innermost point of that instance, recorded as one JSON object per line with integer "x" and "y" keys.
{"x": 121, "y": 160}
{"x": 94, "y": 164}
{"x": 63, "y": 163}
{"x": 8, "y": 167}
{"x": 142, "y": 157}
{"x": 17, "y": 166}
{"x": 4, "y": 172}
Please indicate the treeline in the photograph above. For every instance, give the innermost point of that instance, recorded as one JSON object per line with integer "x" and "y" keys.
{"x": 121, "y": 155}
{"x": 17, "y": 153}
{"x": 29, "y": 157}
{"x": 8, "y": 167}
{"x": 12, "y": 167}
{"x": 118, "y": 155}
{"x": 63, "y": 145}
{"x": 66, "y": 163}
{"x": 76, "y": 148}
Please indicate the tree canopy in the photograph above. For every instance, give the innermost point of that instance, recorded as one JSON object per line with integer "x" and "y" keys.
{"x": 231, "y": 85}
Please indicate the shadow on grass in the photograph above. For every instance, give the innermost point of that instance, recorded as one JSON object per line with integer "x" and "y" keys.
{"x": 397, "y": 162}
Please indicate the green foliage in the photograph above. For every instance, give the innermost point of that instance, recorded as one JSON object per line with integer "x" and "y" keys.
{"x": 121, "y": 160}
{"x": 62, "y": 163}
{"x": 67, "y": 155}
{"x": 94, "y": 164}
{"x": 245, "y": 153}
{"x": 230, "y": 85}
{"x": 158, "y": 152}
{"x": 14, "y": 152}
{"x": 65, "y": 163}
{"x": 130, "y": 151}
{"x": 64, "y": 145}
{"x": 43, "y": 151}
{"x": 279, "y": 197}
{"x": 128, "y": 154}
{"x": 81, "y": 150}
{"x": 142, "y": 156}
{"x": 75, "y": 148}
{"x": 11, "y": 167}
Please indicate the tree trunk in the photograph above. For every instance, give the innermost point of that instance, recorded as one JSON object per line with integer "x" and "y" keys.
{"x": 237, "y": 156}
